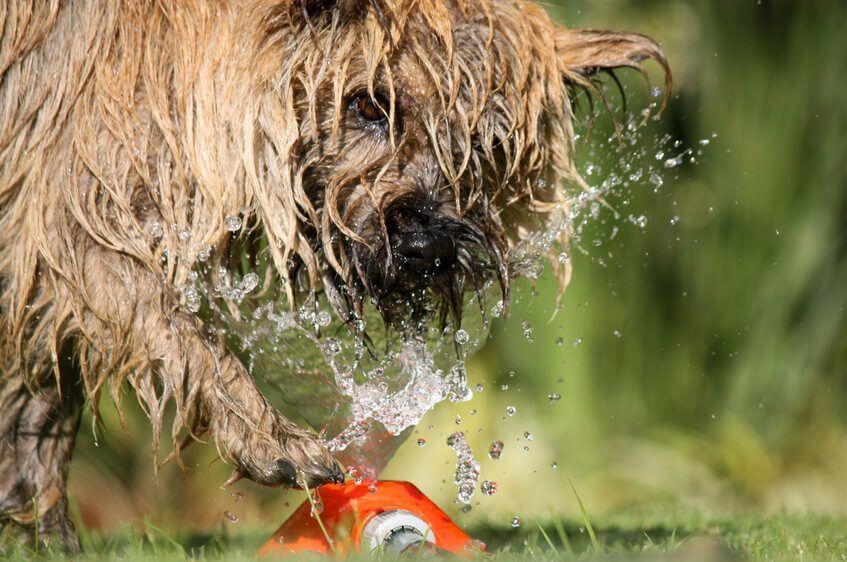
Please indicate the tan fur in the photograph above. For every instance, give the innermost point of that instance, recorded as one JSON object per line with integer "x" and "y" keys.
{"x": 118, "y": 116}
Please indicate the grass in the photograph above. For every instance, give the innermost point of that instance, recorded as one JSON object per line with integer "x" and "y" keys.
{"x": 626, "y": 536}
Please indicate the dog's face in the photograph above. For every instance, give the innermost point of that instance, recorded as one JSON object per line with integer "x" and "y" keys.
{"x": 417, "y": 164}
{"x": 403, "y": 147}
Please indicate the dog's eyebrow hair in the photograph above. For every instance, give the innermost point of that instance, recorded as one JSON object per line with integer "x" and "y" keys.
{"x": 382, "y": 19}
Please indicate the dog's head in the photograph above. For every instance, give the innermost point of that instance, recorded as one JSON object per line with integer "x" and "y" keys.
{"x": 400, "y": 148}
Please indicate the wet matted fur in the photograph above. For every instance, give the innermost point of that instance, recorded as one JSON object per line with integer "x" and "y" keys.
{"x": 130, "y": 130}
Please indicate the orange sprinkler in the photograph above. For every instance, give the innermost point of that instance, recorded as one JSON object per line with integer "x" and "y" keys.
{"x": 378, "y": 514}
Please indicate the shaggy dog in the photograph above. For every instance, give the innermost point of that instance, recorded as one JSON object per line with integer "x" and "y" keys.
{"x": 383, "y": 153}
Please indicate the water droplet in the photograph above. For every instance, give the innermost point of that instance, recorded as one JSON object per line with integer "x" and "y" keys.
{"x": 233, "y": 518}
{"x": 237, "y": 496}
{"x": 421, "y": 442}
{"x": 495, "y": 450}
{"x": 563, "y": 257}
{"x": 488, "y": 487}
{"x": 478, "y": 388}
{"x": 674, "y": 220}
{"x": 497, "y": 309}
{"x": 192, "y": 299}
{"x": 554, "y": 465}
{"x": 527, "y": 330}
{"x": 655, "y": 91}
{"x": 232, "y": 223}
{"x": 333, "y": 346}
{"x": 324, "y": 318}
{"x": 527, "y": 435}
{"x": 458, "y": 420}
{"x": 577, "y": 342}
{"x": 516, "y": 521}
{"x": 511, "y": 410}
{"x": 204, "y": 252}
{"x": 560, "y": 342}
{"x": 639, "y": 221}
{"x": 504, "y": 387}
{"x": 554, "y": 397}
{"x": 467, "y": 468}
{"x": 461, "y": 337}
{"x": 249, "y": 282}
{"x": 673, "y": 162}
{"x": 617, "y": 334}
{"x": 317, "y": 506}
{"x": 156, "y": 230}
{"x": 355, "y": 474}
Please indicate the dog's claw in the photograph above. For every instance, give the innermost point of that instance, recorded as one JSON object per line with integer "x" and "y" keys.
{"x": 331, "y": 475}
{"x": 312, "y": 476}
{"x": 318, "y": 474}
{"x": 311, "y": 464}
{"x": 233, "y": 478}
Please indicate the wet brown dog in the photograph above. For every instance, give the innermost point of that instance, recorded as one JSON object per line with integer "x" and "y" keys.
{"x": 389, "y": 151}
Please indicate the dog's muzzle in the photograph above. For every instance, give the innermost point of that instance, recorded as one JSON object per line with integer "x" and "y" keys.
{"x": 422, "y": 244}
{"x": 426, "y": 252}
{"x": 426, "y": 262}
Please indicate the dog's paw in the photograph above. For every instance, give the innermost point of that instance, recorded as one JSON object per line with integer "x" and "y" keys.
{"x": 291, "y": 457}
{"x": 305, "y": 462}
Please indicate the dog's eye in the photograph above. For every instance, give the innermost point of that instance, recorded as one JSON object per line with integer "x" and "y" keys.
{"x": 372, "y": 110}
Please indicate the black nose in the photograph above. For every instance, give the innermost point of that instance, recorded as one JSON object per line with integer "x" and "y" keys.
{"x": 425, "y": 251}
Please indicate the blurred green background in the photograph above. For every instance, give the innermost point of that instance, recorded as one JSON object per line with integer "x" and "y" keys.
{"x": 703, "y": 358}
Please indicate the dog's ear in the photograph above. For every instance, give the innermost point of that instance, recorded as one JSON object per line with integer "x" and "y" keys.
{"x": 582, "y": 53}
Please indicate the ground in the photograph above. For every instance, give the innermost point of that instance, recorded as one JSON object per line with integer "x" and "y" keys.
{"x": 624, "y": 537}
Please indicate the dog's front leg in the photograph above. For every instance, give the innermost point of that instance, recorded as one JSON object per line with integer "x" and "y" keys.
{"x": 213, "y": 389}
{"x": 37, "y": 430}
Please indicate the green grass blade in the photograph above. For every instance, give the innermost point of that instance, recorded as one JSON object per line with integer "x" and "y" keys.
{"x": 160, "y": 533}
{"x": 563, "y": 535}
{"x": 546, "y": 538}
{"x": 594, "y": 542}
{"x": 317, "y": 516}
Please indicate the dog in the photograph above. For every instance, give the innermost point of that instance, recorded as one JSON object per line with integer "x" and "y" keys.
{"x": 385, "y": 153}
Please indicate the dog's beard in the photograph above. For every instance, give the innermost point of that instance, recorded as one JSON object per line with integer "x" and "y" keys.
{"x": 408, "y": 300}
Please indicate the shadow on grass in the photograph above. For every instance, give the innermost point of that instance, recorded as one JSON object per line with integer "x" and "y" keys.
{"x": 577, "y": 537}
{"x": 215, "y": 542}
